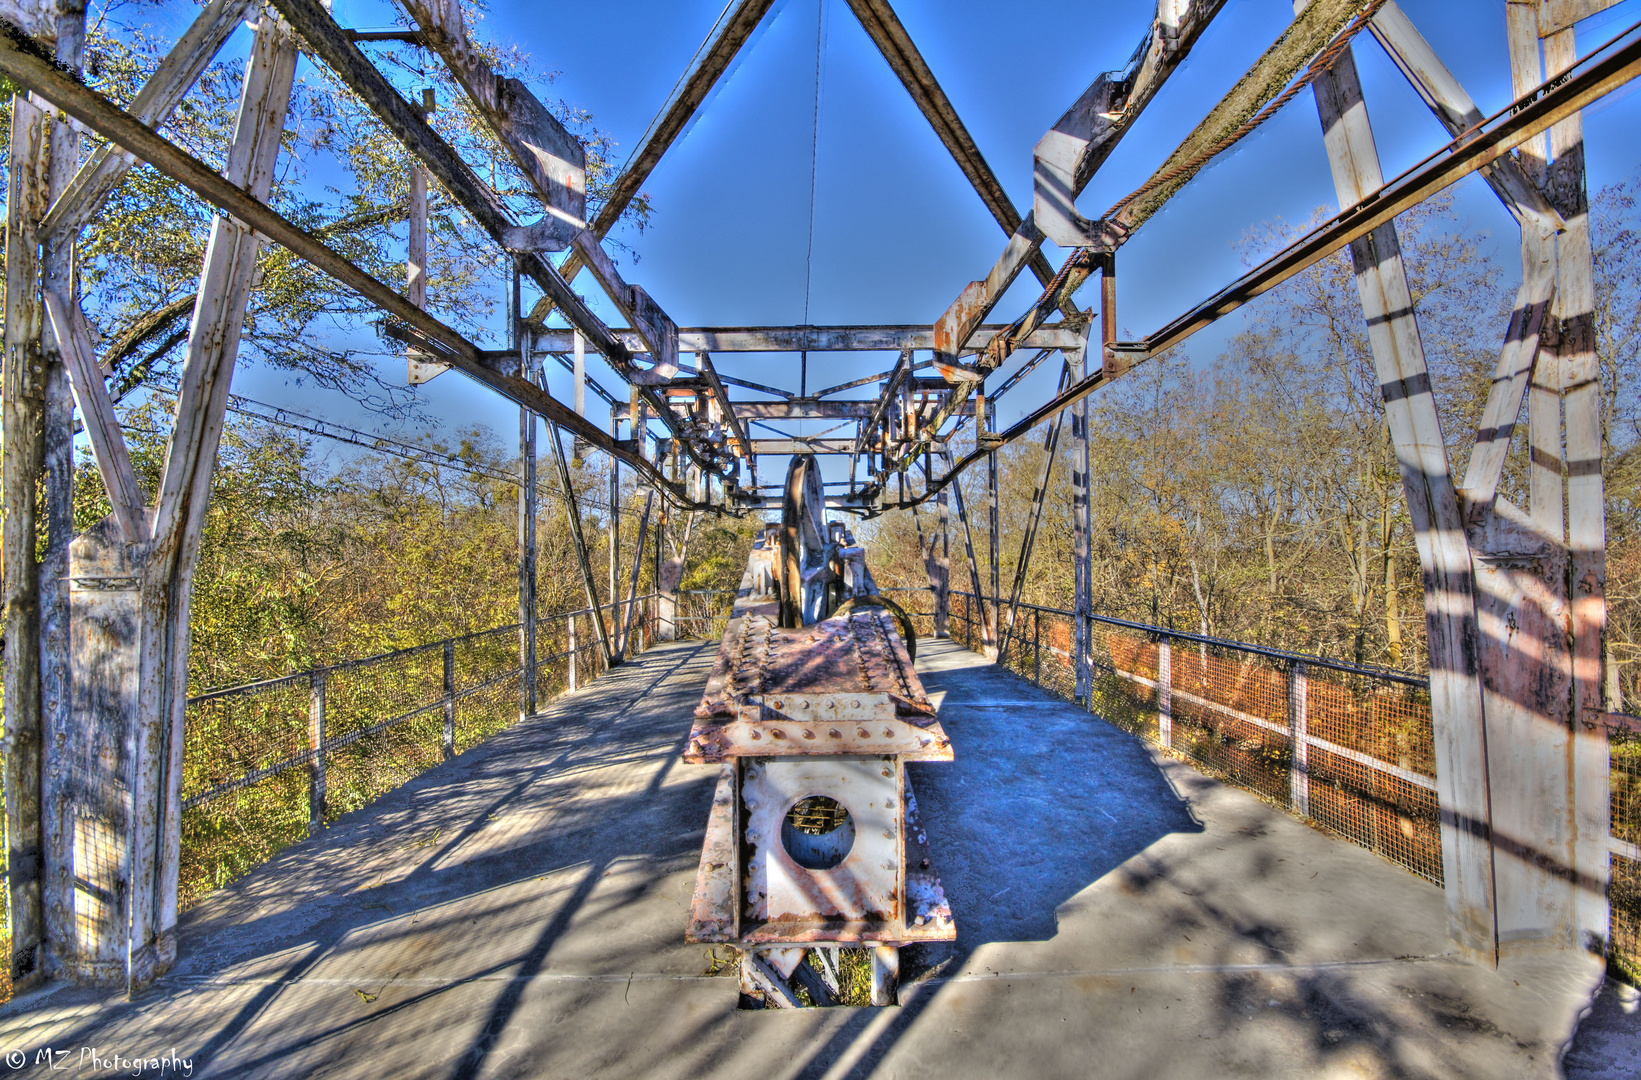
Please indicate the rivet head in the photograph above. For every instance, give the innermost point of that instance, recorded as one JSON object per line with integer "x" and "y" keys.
{"x": 808, "y": 734}
{"x": 864, "y": 733}
{"x": 755, "y": 734}
{"x": 888, "y": 733}
{"x": 855, "y": 704}
{"x": 835, "y": 733}
{"x": 778, "y": 733}
{"x": 806, "y": 704}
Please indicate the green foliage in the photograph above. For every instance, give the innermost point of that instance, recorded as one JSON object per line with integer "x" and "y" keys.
{"x": 341, "y": 175}
{"x": 1258, "y": 498}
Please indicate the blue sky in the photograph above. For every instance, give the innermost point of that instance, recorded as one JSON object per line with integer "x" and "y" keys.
{"x": 898, "y": 231}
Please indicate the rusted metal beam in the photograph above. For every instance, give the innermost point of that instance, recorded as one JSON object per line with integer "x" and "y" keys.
{"x": 551, "y": 160}
{"x": 1457, "y": 112}
{"x": 101, "y": 115}
{"x": 728, "y": 36}
{"x": 1072, "y": 151}
{"x": 331, "y": 44}
{"x": 1297, "y": 46}
{"x": 771, "y": 339}
{"x": 1538, "y": 109}
{"x": 1460, "y": 735}
{"x": 572, "y": 514}
{"x": 887, "y": 32}
{"x": 1592, "y": 79}
{"x": 1065, "y": 160}
{"x": 177, "y": 72}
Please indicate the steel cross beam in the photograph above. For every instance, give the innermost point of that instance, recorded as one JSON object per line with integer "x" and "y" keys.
{"x": 887, "y": 32}
{"x": 732, "y": 31}
{"x": 882, "y": 338}
{"x": 332, "y": 45}
{"x": 1596, "y": 76}
{"x": 29, "y": 67}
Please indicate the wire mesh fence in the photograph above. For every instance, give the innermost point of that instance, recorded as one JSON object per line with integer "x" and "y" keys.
{"x": 1624, "y": 892}
{"x": 1347, "y": 747}
{"x": 267, "y": 763}
{"x": 704, "y": 613}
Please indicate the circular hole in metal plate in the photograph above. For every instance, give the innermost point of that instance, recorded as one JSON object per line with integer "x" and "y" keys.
{"x": 818, "y": 832}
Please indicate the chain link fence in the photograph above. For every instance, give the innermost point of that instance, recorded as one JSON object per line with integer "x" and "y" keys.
{"x": 1347, "y": 747}
{"x": 267, "y": 763}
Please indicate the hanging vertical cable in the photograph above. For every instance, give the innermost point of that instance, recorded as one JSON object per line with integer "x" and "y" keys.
{"x": 814, "y": 169}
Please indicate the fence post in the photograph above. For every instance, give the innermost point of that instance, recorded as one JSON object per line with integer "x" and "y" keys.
{"x": 575, "y": 659}
{"x": 1299, "y": 777}
{"x": 1037, "y": 646}
{"x": 449, "y": 700}
{"x": 1165, "y": 692}
{"x": 316, "y": 747}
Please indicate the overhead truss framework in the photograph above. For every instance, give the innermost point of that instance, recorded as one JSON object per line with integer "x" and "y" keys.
{"x": 694, "y": 433}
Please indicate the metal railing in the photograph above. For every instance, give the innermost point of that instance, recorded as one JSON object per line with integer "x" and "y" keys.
{"x": 1349, "y": 747}
{"x": 704, "y": 613}
{"x": 267, "y": 763}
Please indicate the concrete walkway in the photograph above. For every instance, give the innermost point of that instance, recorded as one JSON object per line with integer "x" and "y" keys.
{"x": 519, "y": 912}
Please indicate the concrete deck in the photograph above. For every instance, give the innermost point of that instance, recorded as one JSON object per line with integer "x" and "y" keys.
{"x": 520, "y": 910}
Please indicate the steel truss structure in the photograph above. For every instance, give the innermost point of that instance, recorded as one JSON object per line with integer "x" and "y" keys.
{"x": 97, "y": 633}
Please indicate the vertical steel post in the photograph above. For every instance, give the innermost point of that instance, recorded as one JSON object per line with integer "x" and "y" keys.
{"x": 449, "y": 699}
{"x": 1299, "y": 777}
{"x": 572, "y": 669}
{"x": 317, "y": 784}
{"x": 1165, "y": 692}
{"x": 1081, "y": 528}
{"x": 943, "y": 570}
{"x": 885, "y": 974}
{"x": 615, "y": 543}
{"x": 993, "y": 533}
{"x": 58, "y": 788}
{"x": 22, "y": 451}
{"x": 578, "y": 539}
{"x": 987, "y": 638}
{"x": 527, "y": 514}
{"x": 1037, "y": 646}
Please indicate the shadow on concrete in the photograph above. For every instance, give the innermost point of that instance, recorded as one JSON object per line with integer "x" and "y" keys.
{"x": 519, "y": 912}
{"x": 1042, "y": 800}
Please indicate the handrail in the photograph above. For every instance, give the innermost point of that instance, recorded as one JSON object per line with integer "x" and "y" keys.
{"x": 1372, "y": 671}
{"x": 397, "y": 654}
